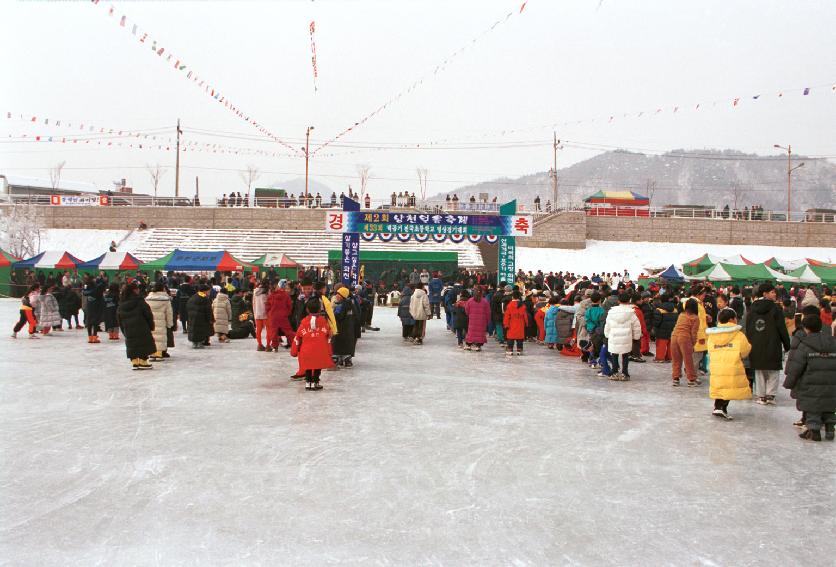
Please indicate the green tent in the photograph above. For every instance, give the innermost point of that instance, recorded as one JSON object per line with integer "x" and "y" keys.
{"x": 387, "y": 264}
{"x": 158, "y": 265}
{"x": 6, "y": 261}
{"x": 774, "y": 264}
{"x": 284, "y": 266}
{"x": 826, "y": 273}
{"x": 750, "y": 273}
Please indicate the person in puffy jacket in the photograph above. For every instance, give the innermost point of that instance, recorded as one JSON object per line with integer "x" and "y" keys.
{"x": 621, "y": 329}
{"x": 311, "y": 345}
{"x": 460, "y": 318}
{"x": 407, "y": 322}
{"x": 419, "y": 308}
{"x": 727, "y": 347}
{"x": 137, "y": 324}
{"x": 563, "y": 322}
{"x": 184, "y": 293}
{"x": 515, "y": 322}
{"x": 279, "y": 308}
{"x": 69, "y": 303}
{"x": 478, "y": 311}
{"x": 49, "y": 317}
{"x": 93, "y": 307}
{"x": 549, "y": 327}
{"x": 159, "y": 301}
{"x": 222, "y": 311}
{"x": 199, "y": 310}
{"x": 664, "y": 321}
{"x": 811, "y": 378}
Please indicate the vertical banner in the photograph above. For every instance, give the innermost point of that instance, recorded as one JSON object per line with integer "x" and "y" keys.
{"x": 507, "y": 266}
{"x": 351, "y": 249}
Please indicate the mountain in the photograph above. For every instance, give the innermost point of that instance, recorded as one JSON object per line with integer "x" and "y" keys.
{"x": 297, "y": 187}
{"x": 680, "y": 177}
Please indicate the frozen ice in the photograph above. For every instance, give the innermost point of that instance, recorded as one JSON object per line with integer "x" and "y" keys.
{"x": 416, "y": 456}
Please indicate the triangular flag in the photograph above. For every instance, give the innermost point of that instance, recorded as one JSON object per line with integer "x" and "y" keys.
{"x": 756, "y": 97}
{"x": 736, "y": 101}
{"x": 133, "y": 30}
{"x": 521, "y": 7}
{"x": 806, "y": 91}
{"x": 122, "y": 21}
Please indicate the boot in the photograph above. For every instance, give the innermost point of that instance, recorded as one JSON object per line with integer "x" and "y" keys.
{"x": 95, "y": 339}
{"x": 810, "y": 434}
{"x": 89, "y": 339}
{"x": 156, "y": 356}
{"x": 144, "y": 365}
{"x": 828, "y": 431}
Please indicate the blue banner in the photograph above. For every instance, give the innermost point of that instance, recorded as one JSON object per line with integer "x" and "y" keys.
{"x": 351, "y": 250}
{"x": 507, "y": 264}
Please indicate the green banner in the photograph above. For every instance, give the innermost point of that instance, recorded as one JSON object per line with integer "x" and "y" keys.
{"x": 507, "y": 265}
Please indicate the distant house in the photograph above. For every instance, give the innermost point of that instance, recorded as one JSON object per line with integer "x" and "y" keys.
{"x": 820, "y": 215}
{"x": 18, "y": 186}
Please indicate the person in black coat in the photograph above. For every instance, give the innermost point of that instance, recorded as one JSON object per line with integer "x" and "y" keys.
{"x": 767, "y": 333}
{"x": 111, "y": 303}
{"x": 93, "y": 293}
{"x": 69, "y": 304}
{"x": 137, "y": 323}
{"x": 663, "y": 322}
{"x": 184, "y": 293}
{"x": 345, "y": 315}
{"x": 811, "y": 378}
{"x": 199, "y": 309}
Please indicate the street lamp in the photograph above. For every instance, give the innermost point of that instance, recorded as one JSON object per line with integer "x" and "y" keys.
{"x": 307, "y": 159}
{"x": 790, "y": 169}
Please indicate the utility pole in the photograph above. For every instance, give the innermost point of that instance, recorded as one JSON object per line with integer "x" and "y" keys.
{"x": 307, "y": 160}
{"x": 177, "y": 164}
{"x": 554, "y": 173}
{"x": 790, "y": 169}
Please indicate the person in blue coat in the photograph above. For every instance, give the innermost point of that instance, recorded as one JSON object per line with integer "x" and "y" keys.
{"x": 434, "y": 291}
{"x": 549, "y": 322}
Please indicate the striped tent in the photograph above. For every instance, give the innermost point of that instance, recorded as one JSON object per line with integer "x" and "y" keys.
{"x": 50, "y": 260}
{"x": 112, "y": 261}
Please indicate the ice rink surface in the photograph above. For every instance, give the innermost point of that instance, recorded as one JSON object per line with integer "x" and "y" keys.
{"x": 417, "y": 456}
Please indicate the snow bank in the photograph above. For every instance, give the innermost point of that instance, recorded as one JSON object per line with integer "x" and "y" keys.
{"x": 606, "y": 256}
{"x": 85, "y": 244}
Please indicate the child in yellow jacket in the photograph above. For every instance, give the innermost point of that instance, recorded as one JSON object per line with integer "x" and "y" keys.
{"x": 727, "y": 347}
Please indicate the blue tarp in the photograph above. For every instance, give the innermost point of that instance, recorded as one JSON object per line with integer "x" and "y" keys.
{"x": 672, "y": 274}
{"x": 192, "y": 261}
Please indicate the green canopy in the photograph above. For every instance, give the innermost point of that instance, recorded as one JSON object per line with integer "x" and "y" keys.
{"x": 159, "y": 264}
{"x": 826, "y": 273}
{"x": 749, "y": 273}
{"x": 6, "y": 261}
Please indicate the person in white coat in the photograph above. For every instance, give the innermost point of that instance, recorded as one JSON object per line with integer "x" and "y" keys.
{"x": 419, "y": 309}
{"x": 621, "y": 329}
{"x": 260, "y": 311}
{"x": 160, "y": 303}
{"x": 222, "y": 310}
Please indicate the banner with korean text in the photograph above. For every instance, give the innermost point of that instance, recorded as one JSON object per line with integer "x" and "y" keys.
{"x": 350, "y": 247}
{"x": 429, "y": 224}
{"x": 507, "y": 264}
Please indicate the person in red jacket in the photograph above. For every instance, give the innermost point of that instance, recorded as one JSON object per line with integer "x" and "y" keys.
{"x": 279, "y": 307}
{"x": 312, "y": 345}
{"x": 515, "y": 321}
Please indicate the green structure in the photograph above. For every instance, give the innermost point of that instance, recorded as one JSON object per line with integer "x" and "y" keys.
{"x": 6, "y": 261}
{"x": 387, "y": 264}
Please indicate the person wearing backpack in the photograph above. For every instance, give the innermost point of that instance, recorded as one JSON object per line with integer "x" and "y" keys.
{"x": 811, "y": 378}
{"x": 767, "y": 332}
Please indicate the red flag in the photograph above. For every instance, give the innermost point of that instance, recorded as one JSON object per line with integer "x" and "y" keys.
{"x": 523, "y": 7}
{"x": 122, "y": 21}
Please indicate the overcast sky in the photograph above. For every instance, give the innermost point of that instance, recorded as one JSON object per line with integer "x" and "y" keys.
{"x": 556, "y": 62}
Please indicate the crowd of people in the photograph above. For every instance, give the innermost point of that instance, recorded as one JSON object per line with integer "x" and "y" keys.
{"x": 742, "y": 340}
{"x": 318, "y": 323}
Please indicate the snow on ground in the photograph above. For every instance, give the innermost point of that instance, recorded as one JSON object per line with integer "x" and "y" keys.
{"x": 85, "y": 244}
{"x": 417, "y": 456}
{"x": 606, "y": 256}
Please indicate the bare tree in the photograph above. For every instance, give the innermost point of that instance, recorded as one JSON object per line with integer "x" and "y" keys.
{"x": 737, "y": 193}
{"x": 20, "y": 230}
{"x": 156, "y": 172}
{"x": 363, "y": 170}
{"x": 422, "y": 181}
{"x": 55, "y": 174}
{"x": 250, "y": 176}
{"x": 650, "y": 189}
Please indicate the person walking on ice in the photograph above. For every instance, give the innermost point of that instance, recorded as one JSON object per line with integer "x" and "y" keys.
{"x": 727, "y": 347}
{"x": 311, "y": 344}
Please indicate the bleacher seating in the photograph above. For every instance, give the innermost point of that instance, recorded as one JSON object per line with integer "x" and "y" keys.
{"x": 308, "y": 247}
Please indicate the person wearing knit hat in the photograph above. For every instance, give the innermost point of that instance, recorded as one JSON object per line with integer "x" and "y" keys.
{"x": 345, "y": 314}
